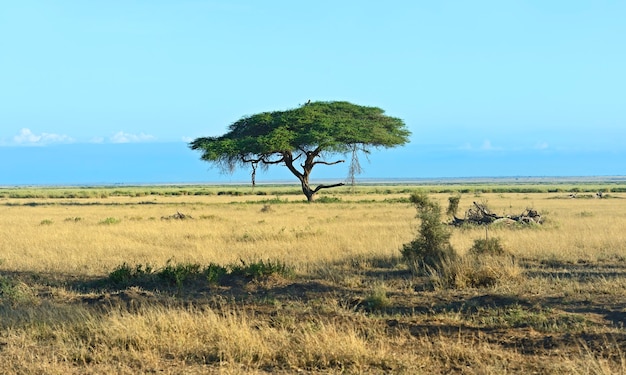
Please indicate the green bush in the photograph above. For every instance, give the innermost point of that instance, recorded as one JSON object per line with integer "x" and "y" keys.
{"x": 182, "y": 273}
{"x": 214, "y": 273}
{"x": 261, "y": 269}
{"x": 431, "y": 248}
{"x": 124, "y": 274}
{"x": 14, "y": 292}
{"x": 110, "y": 221}
{"x": 377, "y": 298}
{"x": 176, "y": 274}
{"x": 327, "y": 199}
{"x": 453, "y": 205}
{"x": 487, "y": 246}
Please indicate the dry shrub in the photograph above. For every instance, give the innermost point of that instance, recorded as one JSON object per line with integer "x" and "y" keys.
{"x": 487, "y": 246}
{"x": 473, "y": 271}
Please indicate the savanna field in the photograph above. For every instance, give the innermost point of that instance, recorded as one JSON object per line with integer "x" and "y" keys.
{"x": 235, "y": 280}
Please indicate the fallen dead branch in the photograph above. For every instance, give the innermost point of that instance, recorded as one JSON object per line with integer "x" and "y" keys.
{"x": 177, "y": 216}
{"x": 479, "y": 214}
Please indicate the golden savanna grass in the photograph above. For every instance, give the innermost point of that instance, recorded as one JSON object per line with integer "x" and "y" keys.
{"x": 352, "y": 306}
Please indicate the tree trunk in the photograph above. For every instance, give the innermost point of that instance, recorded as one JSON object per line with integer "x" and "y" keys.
{"x": 304, "y": 175}
{"x": 308, "y": 192}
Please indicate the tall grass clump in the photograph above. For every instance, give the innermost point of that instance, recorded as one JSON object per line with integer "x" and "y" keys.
{"x": 474, "y": 271}
{"x": 431, "y": 248}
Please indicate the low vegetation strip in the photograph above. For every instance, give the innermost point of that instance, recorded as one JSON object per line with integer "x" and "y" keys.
{"x": 178, "y": 274}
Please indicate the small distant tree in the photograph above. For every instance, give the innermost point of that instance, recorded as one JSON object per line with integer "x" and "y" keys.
{"x": 308, "y": 133}
{"x": 431, "y": 248}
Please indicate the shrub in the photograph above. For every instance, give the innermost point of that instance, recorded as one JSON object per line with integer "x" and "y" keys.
{"x": 453, "y": 205}
{"x": 377, "y": 299}
{"x": 214, "y": 273}
{"x": 487, "y": 246}
{"x": 182, "y": 273}
{"x": 261, "y": 269}
{"x": 110, "y": 221}
{"x": 176, "y": 274}
{"x": 46, "y": 222}
{"x": 124, "y": 274}
{"x": 431, "y": 248}
{"x": 327, "y": 199}
{"x": 474, "y": 272}
{"x": 14, "y": 292}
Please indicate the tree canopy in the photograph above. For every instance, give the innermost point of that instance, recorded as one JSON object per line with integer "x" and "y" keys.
{"x": 309, "y": 133}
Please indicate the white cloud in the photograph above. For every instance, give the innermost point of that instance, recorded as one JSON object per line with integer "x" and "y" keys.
{"x": 27, "y": 137}
{"x": 541, "y": 146}
{"x": 187, "y": 139}
{"x": 487, "y": 146}
{"x": 122, "y": 137}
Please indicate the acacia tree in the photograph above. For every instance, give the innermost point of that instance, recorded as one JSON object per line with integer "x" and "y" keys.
{"x": 305, "y": 135}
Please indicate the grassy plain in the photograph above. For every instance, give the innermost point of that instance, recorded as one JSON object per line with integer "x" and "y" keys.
{"x": 349, "y": 304}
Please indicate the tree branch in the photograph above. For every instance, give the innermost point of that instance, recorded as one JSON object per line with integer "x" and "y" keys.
{"x": 320, "y": 187}
{"x": 329, "y": 162}
{"x": 263, "y": 159}
{"x": 273, "y": 161}
{"x": 288, "y": 159}
{"x": 243, "y": 159}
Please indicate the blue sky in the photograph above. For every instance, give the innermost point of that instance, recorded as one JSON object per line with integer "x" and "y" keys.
{"x": 481, "y": 76}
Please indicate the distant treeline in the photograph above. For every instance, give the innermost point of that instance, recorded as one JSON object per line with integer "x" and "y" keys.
{"x": 243, "y": 190}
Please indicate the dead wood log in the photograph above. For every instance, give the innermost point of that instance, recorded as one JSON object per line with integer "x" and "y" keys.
{"x": 479, "y": 214}
{"x": 177, "y": 216}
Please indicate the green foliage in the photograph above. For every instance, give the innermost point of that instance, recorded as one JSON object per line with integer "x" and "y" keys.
{"x": 261, "y": 269}
{"x": 214, "y": 273}
{"x": 14, "y": 292}
{"x": 179, "y": 274}
{"x": 327, "y": 199}
{"x": 377, "y": 299}
{"x": 110, "y": 221}
{"x": 431, "y": 248}
{"x": 7, "y": 288}
{"x": 306, "y": 134}
{"x": 487, "y": 246}
{"x": 176, "y": 274}
{"x": 453, "y": 205}
{"x": 125, "y": 273}
{"x": 333, "y": 126}
{"x": 46, "y": 222}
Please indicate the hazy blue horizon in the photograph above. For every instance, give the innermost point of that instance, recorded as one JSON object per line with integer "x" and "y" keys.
{"x": 109, "y": 92}
{"x": 174, "y": 162}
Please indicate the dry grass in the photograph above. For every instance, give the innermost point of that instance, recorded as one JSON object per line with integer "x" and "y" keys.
{"x": 556, "y": 306}
{"x": 220, "y": 232}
